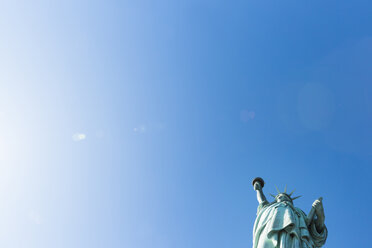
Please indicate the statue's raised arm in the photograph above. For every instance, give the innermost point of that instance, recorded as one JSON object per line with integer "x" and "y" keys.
{"x": 279, "y": 224}
{"x": 258, "y": 183}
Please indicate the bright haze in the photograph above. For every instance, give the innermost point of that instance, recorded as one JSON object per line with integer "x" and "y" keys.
{"x": 140, "y": 124}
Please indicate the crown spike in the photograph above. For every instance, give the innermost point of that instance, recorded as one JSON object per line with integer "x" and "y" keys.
{"x": 277, "y": 189}
{"x": 285, "y": 189}
{"x": 294, "y": 198}
{"x": 291, "y": 192}
{"x": 273, "y": 195}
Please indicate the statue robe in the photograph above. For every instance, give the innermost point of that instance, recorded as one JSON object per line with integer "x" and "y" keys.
{"x": 281, "y": 225}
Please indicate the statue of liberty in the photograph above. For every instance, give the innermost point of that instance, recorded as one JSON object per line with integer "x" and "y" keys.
{"x": 280, "y": 224}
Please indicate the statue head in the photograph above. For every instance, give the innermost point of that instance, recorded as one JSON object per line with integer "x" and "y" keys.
{"x": 284, "y": 197}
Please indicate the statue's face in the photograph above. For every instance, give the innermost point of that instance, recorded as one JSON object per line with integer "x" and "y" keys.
{"x": 282, "y": 198}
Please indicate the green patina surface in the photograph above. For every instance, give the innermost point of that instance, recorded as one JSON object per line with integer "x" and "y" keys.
{"x": 282, "y": 225}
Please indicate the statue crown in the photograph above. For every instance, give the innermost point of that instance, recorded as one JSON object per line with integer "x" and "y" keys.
{"x": 285, "y": 193}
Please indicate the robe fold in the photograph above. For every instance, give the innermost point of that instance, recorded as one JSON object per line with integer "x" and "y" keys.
{"x": 281, "y": 225}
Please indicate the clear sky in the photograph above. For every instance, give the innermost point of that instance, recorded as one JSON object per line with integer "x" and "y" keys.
{"x": 140, "y": 124}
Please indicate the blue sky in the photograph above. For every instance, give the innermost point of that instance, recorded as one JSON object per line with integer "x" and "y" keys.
{"x": 142, "y": 123}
